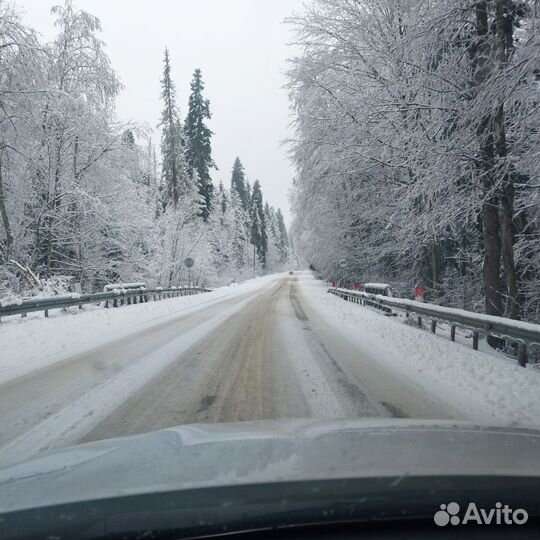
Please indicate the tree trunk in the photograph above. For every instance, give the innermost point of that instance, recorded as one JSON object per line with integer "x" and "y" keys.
{"x": 492, "y": 256}
{"x": 504, "y": 47}
{"x": 507, "y": 245}
{"x": 5, "y": 217}
{"x": 436, "y": 269}
{"x": 490, "y": 207}
{"x": 53, "y": 204}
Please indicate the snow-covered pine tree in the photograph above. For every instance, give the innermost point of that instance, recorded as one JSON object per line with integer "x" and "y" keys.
{"x": 222, "y": 198}
{"x": 283, "y": 237}
{"x": 240, "y": 232}
{"x": 174, "y": 174}
{"x": 277, "y": 241}
{"x": 249, "y": 193}
{"x": 238, "y": 183}
{"x": 272, "y": 254}
{"x": 198, "y": 141}
{"x": 259, "y": 236}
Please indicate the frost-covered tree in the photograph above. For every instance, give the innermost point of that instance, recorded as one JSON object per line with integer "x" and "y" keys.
{"x": 21, "y": 83}
{"x": 282, "y": 237}
{"x": 198, "y": 142}
{"x": 241, "y": 231}
{"x": 71, "y": 205}
{"x": 75, "y": 139}
{"x": 174, "y": 173}
{"x": 238, "y": 183}
{"x": 416, "y": 148}
{"x": 82, "y": 197}
{"x": 259, "y": 235}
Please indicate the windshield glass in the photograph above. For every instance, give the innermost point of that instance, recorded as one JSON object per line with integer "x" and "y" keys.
{"x": 218, "y": 211}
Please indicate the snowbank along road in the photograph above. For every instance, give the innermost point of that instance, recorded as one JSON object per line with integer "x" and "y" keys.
{"x": 260, "y": 352}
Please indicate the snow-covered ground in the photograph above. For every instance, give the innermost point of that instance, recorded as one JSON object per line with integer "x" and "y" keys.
{"x": 482, "y": 385}
{"x": 34, "y": 342}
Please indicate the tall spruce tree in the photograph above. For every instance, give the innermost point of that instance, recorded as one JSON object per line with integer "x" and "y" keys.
{"x": 223, "y": 201}
{"x": 198, "y": 144}
{"x": 248, "y": 193}
{"x": 283, "y": 237}
{"x": 238, "y": 183}
{"x": 259, "y": 237}
{"x": 172, "y": 152}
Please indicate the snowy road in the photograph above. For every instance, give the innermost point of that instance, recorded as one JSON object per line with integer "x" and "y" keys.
{"x": 262, "y": 353}
{"x": 268, "y": 360}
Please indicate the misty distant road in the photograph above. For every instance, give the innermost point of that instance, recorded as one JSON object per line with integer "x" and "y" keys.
{"x": 268, "y": 356}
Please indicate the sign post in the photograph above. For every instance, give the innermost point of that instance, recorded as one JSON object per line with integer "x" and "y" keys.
{"x": 188, "y": 263}
{"x": 342, "y": 263}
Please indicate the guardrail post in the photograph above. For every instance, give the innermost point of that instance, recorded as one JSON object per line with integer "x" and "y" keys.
{"x": 115, "y": 302}
{"x": 419, "y": 321}
{"x": 522, "y": 354}
{"x": 433, "y": 326}
{"x": 475, "y": 337}
{"x": 46, "y": 311}
{"x": 453, "y": 332}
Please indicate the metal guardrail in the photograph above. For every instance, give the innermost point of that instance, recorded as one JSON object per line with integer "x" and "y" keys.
{"x": 525, "y": 334}
{"x": 116, "y": 298}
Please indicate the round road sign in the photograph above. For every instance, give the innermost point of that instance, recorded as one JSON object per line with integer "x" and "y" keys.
{"x": 189, "y": 262}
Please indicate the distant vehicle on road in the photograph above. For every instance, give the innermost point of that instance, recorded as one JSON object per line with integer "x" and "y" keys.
{"x": 291, "y": 272}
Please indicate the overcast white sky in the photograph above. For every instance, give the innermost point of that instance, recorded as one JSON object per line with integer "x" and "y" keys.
{"x": 241, "y": 48}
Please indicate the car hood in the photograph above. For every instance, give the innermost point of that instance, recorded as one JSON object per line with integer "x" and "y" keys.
{"x": 213, "y": 455}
